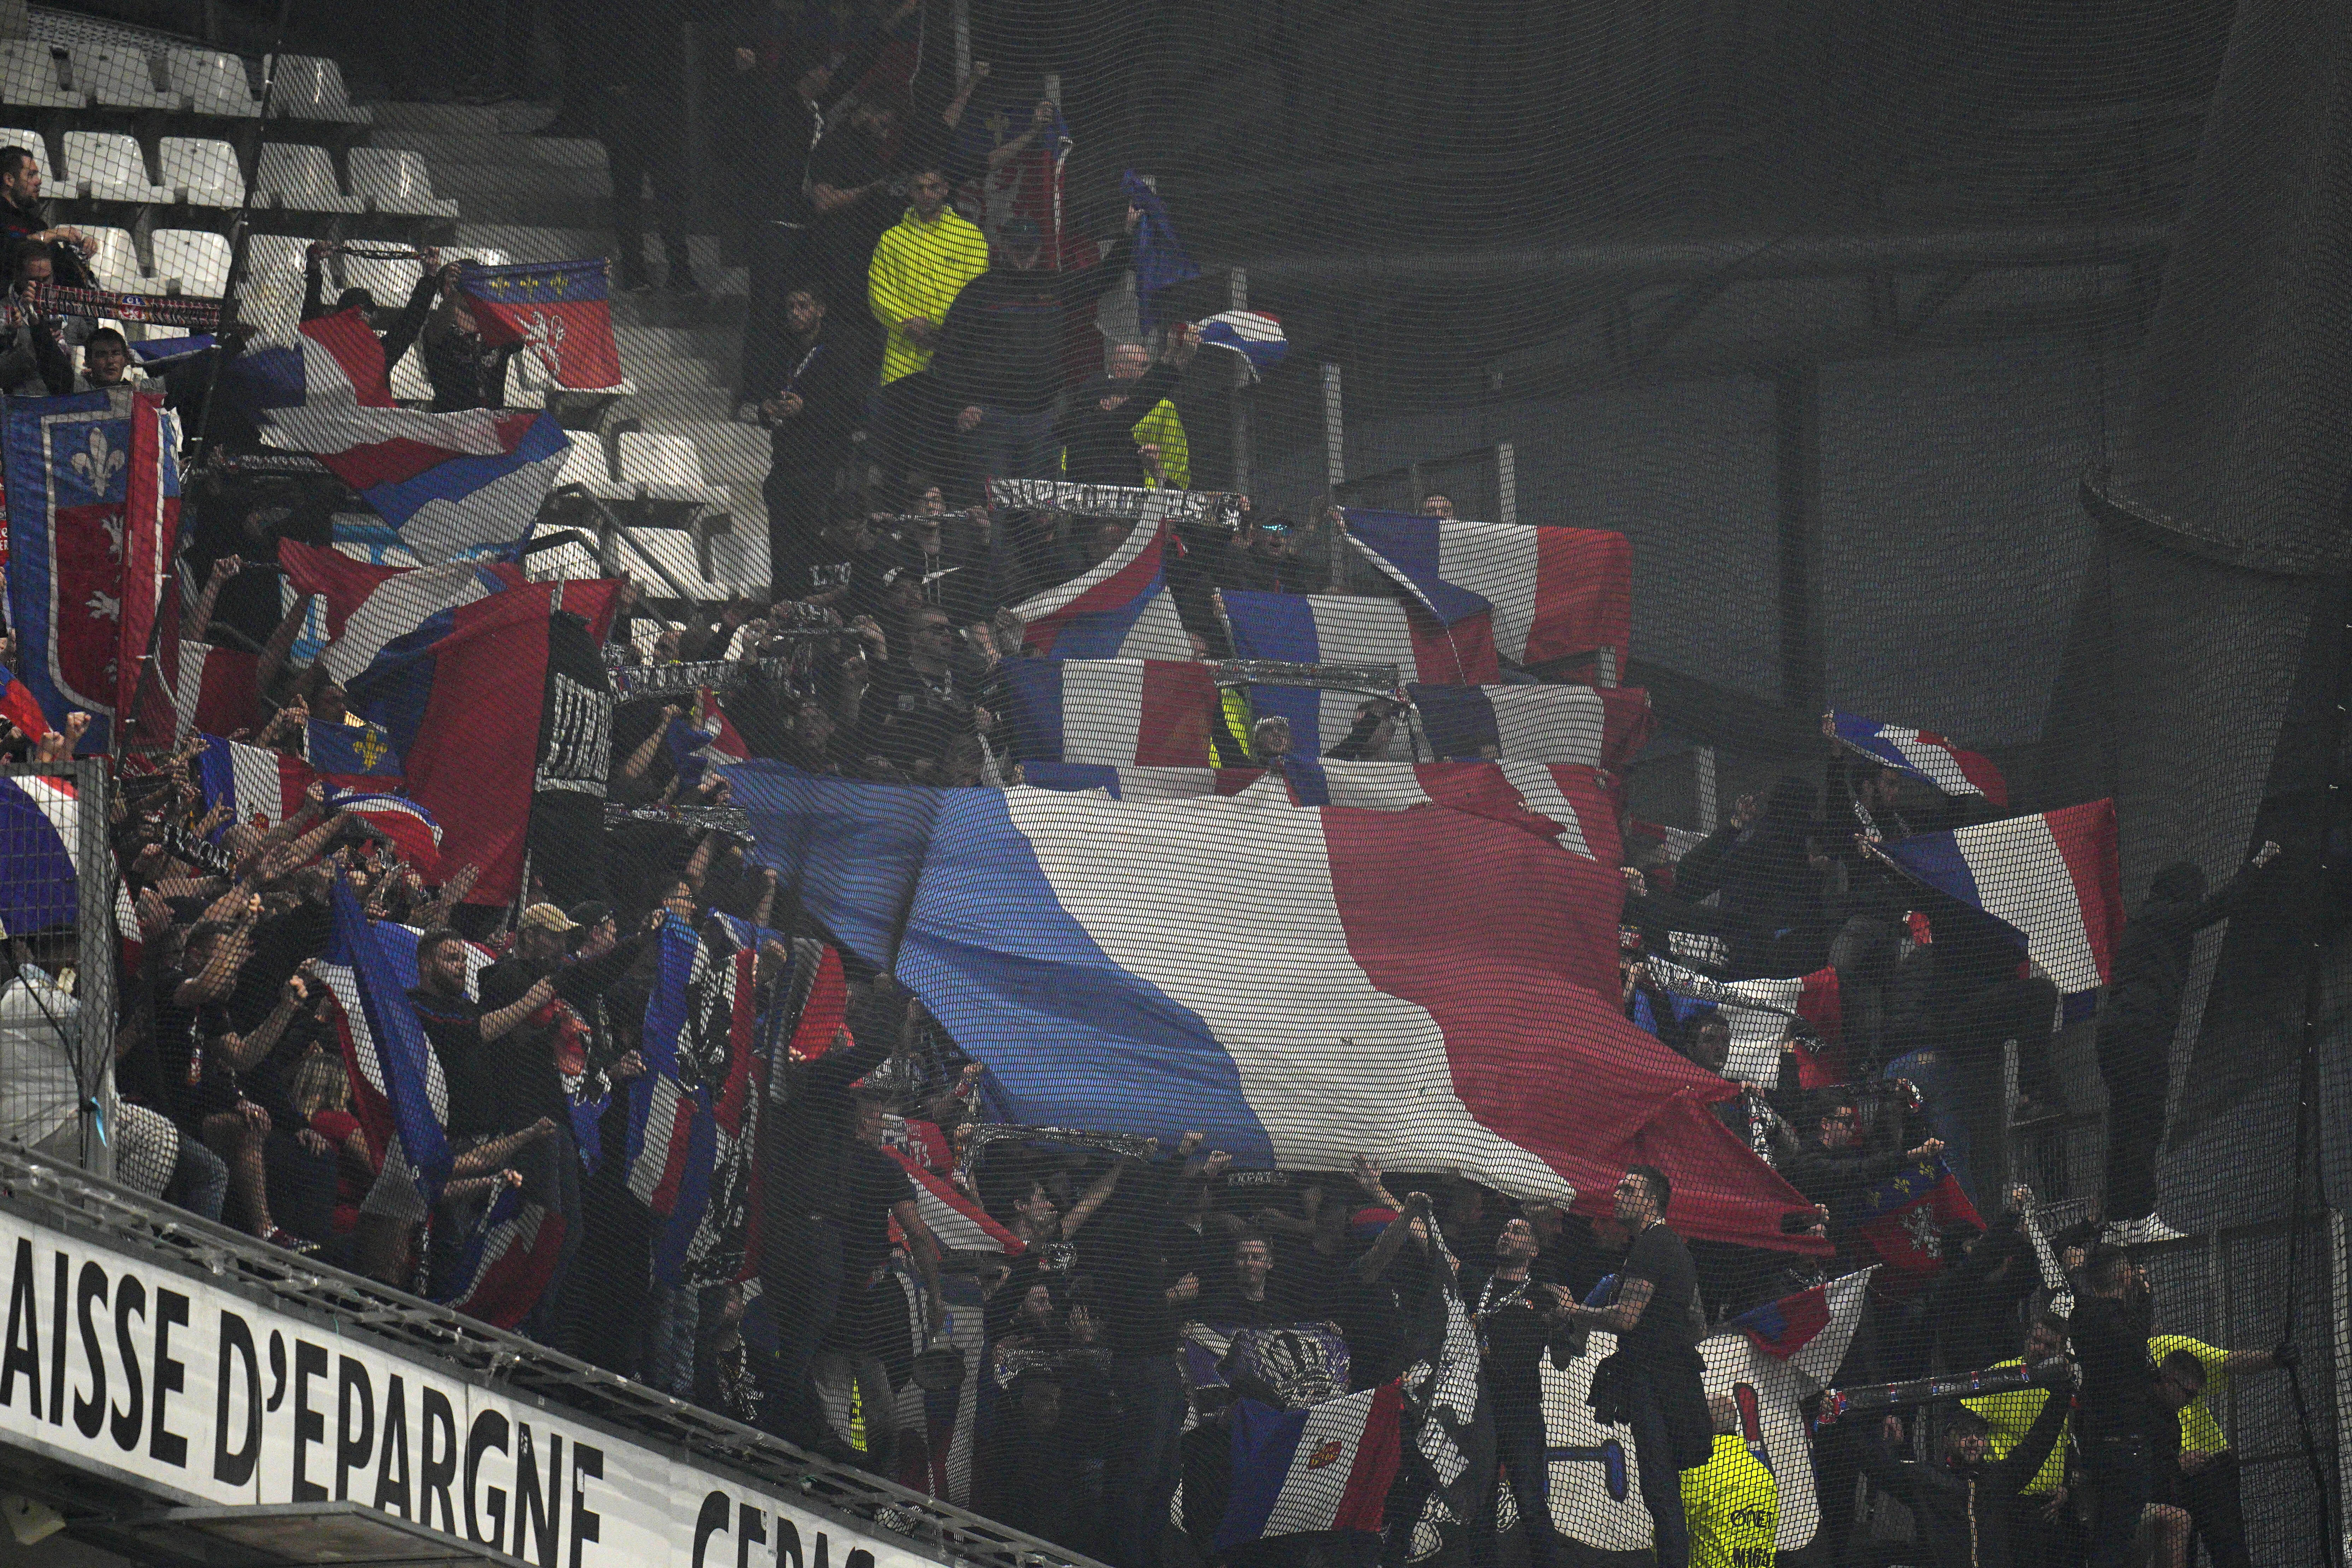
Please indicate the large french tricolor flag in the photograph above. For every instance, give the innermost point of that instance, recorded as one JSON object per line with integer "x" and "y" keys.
{"x": 1326, "y": 1466}
{"x": 445, "y": 482}
{"x": 1338, "y": 628}
{"x": 255, "y": 783}
{"x": 1138, "y": 783}
{"x": 1118, "y": 608}
{"x": 41, "y": 837}
{"x": 1469, "y": 960}
{"x": 1561, "y": 801}
{"x": 2052, "y": 878}
{"x": 1925, "y": 755}
{"x": 1122, "y": 711}
{"x": 1604, "y": 727}
{"x": 1553, "y": 593}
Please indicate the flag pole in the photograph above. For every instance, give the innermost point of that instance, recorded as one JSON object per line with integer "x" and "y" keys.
{"x": 199, "y": 450}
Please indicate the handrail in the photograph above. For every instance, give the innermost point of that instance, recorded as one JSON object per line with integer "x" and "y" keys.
{"x": 51, "y": 1192}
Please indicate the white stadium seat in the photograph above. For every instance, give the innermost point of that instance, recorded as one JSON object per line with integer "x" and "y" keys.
{"x": 394, "y": 180}
{"x": 108, "y": 166}
{"x": 668, "y": 467}
{"x": 206, "y": 81}
{"x": 28, "y": 76}
{"x": 116, "y": 76}
{"x": 301, "y": 178}
{"x": 203, "y": 172}
{"x": 197, "y": 257}
{"x": 307, "y": 87}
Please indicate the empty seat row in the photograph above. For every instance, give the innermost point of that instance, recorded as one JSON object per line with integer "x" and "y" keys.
{"x": 41, "y": 75}
{"x": 109, "y": 165}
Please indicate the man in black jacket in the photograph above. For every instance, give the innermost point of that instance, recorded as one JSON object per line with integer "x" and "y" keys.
{"x": 1515, "y": 1307}
{"x": 2109, "y": 1332}
{"x": 1097, "y": 434}
{"x": 2136, "y": 1030}
{"x": 809, "y": 413}
{"x": 1961, "y": 1508}
{"x": 999, "y": 363}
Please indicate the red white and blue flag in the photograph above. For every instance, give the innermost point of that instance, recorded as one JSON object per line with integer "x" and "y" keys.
{"x": 1120, "y": 711}
{"x": 414, "y": 833}
{"x": 2052, "y": 878}
{"x": 1340, "y": 628}
{"x": 1601, "y": 726}
{"x": 701, "y": 738}
{"x": 1118, "y": 608}
{"x": 1767, "y": 1362}
{"x": 1255, "y": 335}
{"x": 1810, "y": 1329}
{"x": 693, "y": 1116}
{"x": 1925, "y": 755}
{"x": 560, "y": 311}
{"x": 1494, "y": 984}
{"x": 40, "y": 822}
{"x": 448, "y": 661}
{"x": 959, "y": 1223}
{"x": 447, "y": 483}
{"x": 93, "y": 486}
{"x": 399, "y": 1096}
{"x": 333, "y": 361}
{"x": 257, "y": 785}
{"x": 1904, "y": 1219}
{"x": 1552, "y": 594}
{"x": 1326, "y": 1466}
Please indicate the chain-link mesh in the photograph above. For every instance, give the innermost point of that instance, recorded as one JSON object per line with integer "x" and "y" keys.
{"x": 1239, "y": 780}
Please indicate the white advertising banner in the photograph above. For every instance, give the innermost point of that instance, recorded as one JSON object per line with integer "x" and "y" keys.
{"x": 201, "y": 1395}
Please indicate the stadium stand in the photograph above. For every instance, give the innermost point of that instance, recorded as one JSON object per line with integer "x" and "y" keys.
{"x": 986, "y": 878}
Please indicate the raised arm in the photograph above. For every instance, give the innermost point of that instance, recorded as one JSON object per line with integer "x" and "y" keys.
{"x": 1091, "y": 1200}
{"x": 280, "y": 644}
{"x": 496, "y": 1024}
{"x": 1619, "y": 1316}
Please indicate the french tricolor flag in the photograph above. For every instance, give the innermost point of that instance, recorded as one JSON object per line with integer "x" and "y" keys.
{"x": 1120, "y": 711}
{"x": 1326, "y": 1466}
{"x": 1767, "y": 1362}
{"x": 1338, "y": 628}
{"x": 1553, "y": 593}
{"x": 1599, "y": 726}
{"x": 1122, "y": 783}
{"x": 1118, "y": 608}
{"x": 1925, "y": 755}
{"x": 2052, "y": 878}
{"x": 254, "y": 782}
{"x": 398, "y": 1093}
{"x": 1561, "y": 801}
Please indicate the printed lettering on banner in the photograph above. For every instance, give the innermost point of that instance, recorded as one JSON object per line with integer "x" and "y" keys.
{"x": 197, "y": 1395}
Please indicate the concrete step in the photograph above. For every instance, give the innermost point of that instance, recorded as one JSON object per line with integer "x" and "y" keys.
{"x": 446, "y": 147}
{"x": 671, "y": 404}
{"x": 465, "y": 119}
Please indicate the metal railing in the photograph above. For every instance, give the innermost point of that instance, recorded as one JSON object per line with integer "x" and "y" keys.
{"x": 55, "y": 1195}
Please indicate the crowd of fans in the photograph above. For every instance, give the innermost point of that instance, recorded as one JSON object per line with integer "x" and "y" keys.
{"x": 897, "y": 354}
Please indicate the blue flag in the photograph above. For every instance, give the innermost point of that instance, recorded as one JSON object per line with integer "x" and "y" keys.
{"x": 348, "y": 754}
{"x": 1160, "y": 258}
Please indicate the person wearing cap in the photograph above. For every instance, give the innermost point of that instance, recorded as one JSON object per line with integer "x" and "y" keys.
{"x": 999, "y": 360}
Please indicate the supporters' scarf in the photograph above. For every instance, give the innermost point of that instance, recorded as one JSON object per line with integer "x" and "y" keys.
{"x": 631, "y": 681}
{"x": 45, "y": 299}
{"x": 701, "y": 818}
